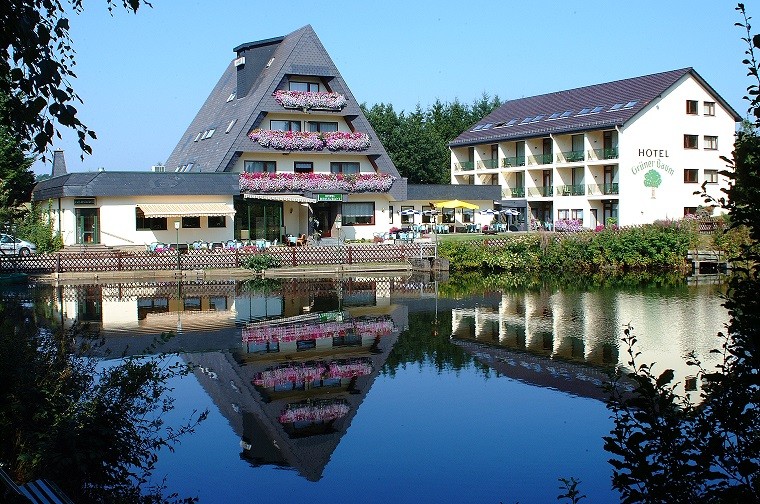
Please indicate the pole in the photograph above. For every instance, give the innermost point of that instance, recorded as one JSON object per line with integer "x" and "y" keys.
{"x": 176, "y": 228}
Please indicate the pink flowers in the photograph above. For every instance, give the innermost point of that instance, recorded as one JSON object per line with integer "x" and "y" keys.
{"x": 318, "y": 410}
{"x": 307, "y": 100}
{"x": 305, "y": 140}
{"x": 298, "y": 182}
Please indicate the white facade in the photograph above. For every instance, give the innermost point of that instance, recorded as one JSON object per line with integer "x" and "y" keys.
{"x": 647, "y": 168}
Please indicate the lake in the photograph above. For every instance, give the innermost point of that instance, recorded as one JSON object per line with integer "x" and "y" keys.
{"x": 394, "y": 389}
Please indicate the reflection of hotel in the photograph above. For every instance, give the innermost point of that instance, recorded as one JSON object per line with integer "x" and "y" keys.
{"x": 543, "y": 328}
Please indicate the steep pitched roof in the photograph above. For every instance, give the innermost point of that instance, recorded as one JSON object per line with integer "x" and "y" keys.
{"x": 265, "y": 68}
{"x": 586, "y": 108}
{"x": 98, "y": 184}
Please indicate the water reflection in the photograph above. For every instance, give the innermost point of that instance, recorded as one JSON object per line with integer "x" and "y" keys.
{"x": 289, "y": 363}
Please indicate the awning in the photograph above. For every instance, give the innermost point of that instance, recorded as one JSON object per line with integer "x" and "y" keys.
{"x": 186, "y": 209}
{"x": 280, "y": 197}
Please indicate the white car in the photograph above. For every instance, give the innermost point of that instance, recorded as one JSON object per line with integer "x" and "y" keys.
{"x": 10, "y": 245}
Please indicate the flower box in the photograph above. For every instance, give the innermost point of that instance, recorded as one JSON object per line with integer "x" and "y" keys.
{"x": 315, "y": 182}
{"x": 308, "y": 100}
{"x": 307, "y": 140}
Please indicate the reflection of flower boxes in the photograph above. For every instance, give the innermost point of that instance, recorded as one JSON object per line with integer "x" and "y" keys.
{"x": 304, "y": 332}
{"x": 309, "y": 100}
{"x": 319, "y": 410}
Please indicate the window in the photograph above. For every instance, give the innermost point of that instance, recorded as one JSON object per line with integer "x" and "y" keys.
{"x": 427, "y": 217}
{"x": 285, "y": 125}
{"x": 260, "y": 166}
{"x": 322, "y": 127}
{"x": 690, "y": 141}
{"x": 143, "y": 223}
{"x": 447, "y": 215}
{"x": 709, "y": 108}
{"x": 303, "y": 86}
{"x": 563, "y": 214}
{"x": 230, "y": 125}
{"x": 577, "y": 214}
{"x": 691, "y": 107}
{"x": 468, "y": 216}
{"x": 191, "y": 222}
{"x": 191, "y": 304}
{"x": 567, "y": 113}
{"x": 303, "y": 167}
{"x": 711, "y": 142}
{"x": 406, "y": 219}
{"x": 390, "y": 214}
{"x": 358, "y": 214}
{"x": 596, "y": 110}
{"x": 585, "y": 110}
{"x": 217, "y": 221}
{"x": 198, "y": 136}
{"x": 630, "y": 104}
{"x": 690, "y": 176}
{"x": 617, "y": 106}
{"x": 711, "y": 176}
{"x": 344, "y": 167}
{"x": 690, "y": 210}
{"x": 231, "y": 97}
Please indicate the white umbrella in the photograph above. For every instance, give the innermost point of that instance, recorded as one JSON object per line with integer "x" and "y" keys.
{"x": 410, "y": 211}
{"x": 488, "y": 211}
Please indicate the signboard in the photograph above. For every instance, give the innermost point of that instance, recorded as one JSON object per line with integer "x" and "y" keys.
{"x": 329, "y": 197}
{"x": 84, "y": 201}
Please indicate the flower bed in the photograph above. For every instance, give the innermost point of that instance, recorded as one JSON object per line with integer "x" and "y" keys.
{"x": 309, "y": 100}
{"x": 307, "y": 140}
{"x": 328, "y": 182}
{"x": 568, "y": 225}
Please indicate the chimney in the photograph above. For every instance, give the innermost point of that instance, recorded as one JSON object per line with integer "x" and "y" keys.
{"x": 59, "y": 163}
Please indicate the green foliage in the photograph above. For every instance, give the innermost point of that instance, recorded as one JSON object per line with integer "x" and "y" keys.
{"x": 16, "y": 176}
{"x": 652, "y": 178}
{"x": 94, "y": 429}
{"x": 417, "y": 142}
{"x": 660, "y": 246}
{"x": 260, "y": 262}
{"x": 36, "y": 69}
{"x": 36, "y": 228}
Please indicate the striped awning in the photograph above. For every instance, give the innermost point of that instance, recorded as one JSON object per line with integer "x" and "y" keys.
{"x": 280, "y": 197}
{"x": 186, "y": 209}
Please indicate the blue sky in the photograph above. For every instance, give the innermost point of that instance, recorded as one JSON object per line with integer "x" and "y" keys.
{"x": 143, "y": 77}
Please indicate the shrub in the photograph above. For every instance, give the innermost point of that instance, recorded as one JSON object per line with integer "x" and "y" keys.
{"x": 260, "y": 262}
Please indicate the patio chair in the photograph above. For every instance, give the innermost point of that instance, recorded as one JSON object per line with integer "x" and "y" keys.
{"x": 301, "y": 241}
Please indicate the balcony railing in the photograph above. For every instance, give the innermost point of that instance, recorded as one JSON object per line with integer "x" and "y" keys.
{"x": 540, "y": 159}
{"x": 603, "y": 189}
{"x": 601, "y": 154}
{"x": 464, "y": 166}
{"x": 541, "y": 191}
{"x": 488, "y": 163}
{"x": 570, "y": 190}
{"x": 513, "y": 192}
{"x": 255, "y": 183}
{"x": 510, "y": 162}
{"x": 570, "y": 156}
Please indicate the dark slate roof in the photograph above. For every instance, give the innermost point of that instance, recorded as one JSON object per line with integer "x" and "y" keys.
{"x": 95, "y": 184}
{"x": 442, "y": 192}
{"x": 641, "y": 90}
{"x": 299, "y": 53}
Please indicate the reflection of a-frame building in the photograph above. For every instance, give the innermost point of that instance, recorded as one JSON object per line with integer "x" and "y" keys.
{"x": 299, "y": 424}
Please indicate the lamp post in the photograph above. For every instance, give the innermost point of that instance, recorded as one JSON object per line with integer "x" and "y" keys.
{"x": 176, "y": 228}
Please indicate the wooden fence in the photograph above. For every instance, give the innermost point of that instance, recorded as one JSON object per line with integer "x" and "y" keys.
{"x": 66, "y": 262}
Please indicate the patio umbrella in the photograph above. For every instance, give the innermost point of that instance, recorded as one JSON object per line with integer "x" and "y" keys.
{"x": 488, "y": 211}
{"x": 410, "y": 211}
{"x": 455, "y": 203}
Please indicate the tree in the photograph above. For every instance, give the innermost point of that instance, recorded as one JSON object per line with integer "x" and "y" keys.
{"x": 36, "y": 69}
{"x": 652, "y": 179}
{"x": 667, "y": 448}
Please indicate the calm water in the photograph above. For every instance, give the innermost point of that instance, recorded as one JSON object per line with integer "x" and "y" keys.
{"x": 393, "y": 389}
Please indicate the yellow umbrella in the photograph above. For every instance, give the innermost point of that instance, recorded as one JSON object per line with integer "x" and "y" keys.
{"x": 455, "y": 203}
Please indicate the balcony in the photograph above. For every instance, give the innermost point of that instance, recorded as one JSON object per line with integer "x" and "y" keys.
{"x": 540, "y": 159}
{"x": 306, "y": 100}
{"x": 602, "y": 154}
{"x": 310, "y": 141}
{"x": 488, "y": 164}
{"x": 570, "y": 190}
{"x": 315, "y": 182}
{"x": 511, "y": 162}
{"x": 541, "y": 191}
{"x": 570, "y": 156}
{"x": 603, "y": 189}
{"x": 513, "y": 192}
{"x": 464, "y": 166}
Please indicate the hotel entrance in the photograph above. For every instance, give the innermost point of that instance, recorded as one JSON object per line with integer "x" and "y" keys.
{"x": 88, "y": 226}
{"x": 258, "y": 219}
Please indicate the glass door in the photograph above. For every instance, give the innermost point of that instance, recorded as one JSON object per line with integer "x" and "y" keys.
{"x": 88, "y": 226}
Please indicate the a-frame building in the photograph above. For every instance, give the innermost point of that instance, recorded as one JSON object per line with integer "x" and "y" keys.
{"x": 283, "y": 118}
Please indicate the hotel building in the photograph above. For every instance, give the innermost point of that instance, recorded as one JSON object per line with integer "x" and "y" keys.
{"x": 634, "y": 150}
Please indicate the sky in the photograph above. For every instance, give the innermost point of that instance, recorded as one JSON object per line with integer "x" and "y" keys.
{"x": 144, "y": 76}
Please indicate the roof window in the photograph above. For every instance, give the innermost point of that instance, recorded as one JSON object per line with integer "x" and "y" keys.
{"x": 269, "y": 63}
{"x": 615, "y": 107}
{"x": 567, "y": 113}
{"x": 584, "y": 111}
{"x": 538, "y": 118}
{"x": 198, "y": 136}
{"x": 231, "y": 97}
{"x": 631, "y": 104}
{"x": 526, "y": 120}
{"x": 230, "y": 125}
{"x": 596, "y": 110}
{"x": 553, "y": 116}
{"x": 487, "y": 126}
{"x": 511, "y": 122}
{"x": 210, "y": 132}
{"x": 478, "y": 127}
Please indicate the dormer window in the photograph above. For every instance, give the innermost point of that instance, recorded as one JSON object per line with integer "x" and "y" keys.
{"x": 312, "y": 87}
{"x": 231, "y": 97}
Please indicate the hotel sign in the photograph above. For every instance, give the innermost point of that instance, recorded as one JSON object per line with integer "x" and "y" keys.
{"x": 84, "y": 201}
{"x": 329, "y": 197}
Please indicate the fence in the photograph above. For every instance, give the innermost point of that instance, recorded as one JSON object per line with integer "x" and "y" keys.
{"x": 63, "y": 262}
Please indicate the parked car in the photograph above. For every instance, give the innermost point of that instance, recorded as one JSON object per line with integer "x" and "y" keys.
{"x": 10, "y": 245}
